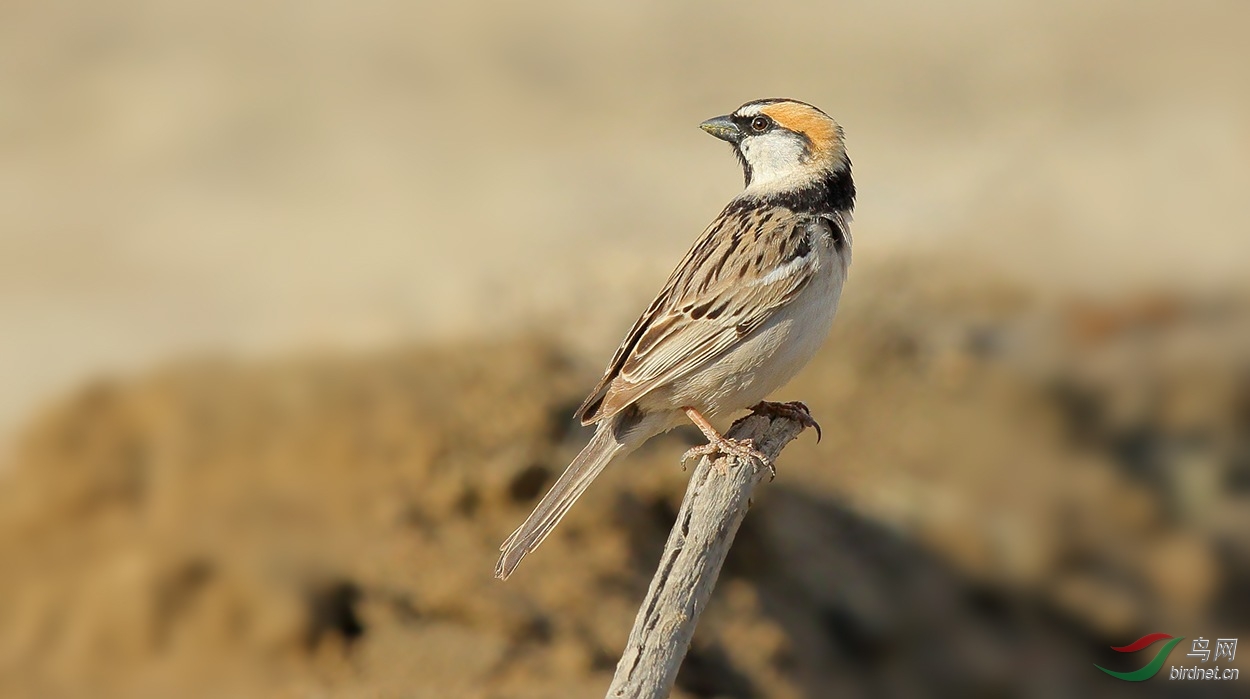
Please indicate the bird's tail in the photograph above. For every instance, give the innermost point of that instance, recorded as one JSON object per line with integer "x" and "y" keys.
{"x": 602, "y": 449}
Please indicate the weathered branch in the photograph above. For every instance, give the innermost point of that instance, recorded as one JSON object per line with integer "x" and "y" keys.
{"x": 710, "y": 515}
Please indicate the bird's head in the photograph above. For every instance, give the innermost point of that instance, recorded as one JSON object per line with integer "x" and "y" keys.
{"x": 782, "y": 143}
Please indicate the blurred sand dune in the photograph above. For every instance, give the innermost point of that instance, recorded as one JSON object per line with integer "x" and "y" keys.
{"x": 1004, "y": 489}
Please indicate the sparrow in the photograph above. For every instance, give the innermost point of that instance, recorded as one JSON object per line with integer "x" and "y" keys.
{"x": 743, "y": 312}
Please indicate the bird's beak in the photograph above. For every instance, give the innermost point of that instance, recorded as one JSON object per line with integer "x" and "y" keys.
{"x": 723, "y": 128}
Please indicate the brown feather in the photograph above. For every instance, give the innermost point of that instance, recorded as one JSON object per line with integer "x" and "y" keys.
{"x": 670, "y": 339}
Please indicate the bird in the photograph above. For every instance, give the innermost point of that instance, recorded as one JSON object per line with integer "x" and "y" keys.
{"x": 745, "y": 309}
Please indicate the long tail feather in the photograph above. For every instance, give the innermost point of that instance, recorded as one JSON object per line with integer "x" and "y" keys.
{"x": 601, "y": 450}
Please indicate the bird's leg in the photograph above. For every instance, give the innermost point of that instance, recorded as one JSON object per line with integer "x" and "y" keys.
{"x": 720, "y": 444}
{"x": 795, "y": 410}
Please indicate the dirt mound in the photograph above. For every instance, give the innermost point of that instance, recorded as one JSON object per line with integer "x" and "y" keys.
{"x": 1006, "y": 487}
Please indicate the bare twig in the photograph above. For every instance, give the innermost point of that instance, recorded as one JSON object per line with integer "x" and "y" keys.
{"x": 710, "y": 515}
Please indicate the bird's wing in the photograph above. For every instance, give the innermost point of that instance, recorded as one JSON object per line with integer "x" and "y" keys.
{"x": 748, "y": 264}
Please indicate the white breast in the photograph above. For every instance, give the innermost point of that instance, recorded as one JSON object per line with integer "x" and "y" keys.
{"x": 774, "y": 353}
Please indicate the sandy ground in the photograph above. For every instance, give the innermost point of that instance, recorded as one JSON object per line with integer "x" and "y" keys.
{"x": 296, "y": 300}
{"x": 1000, "y": 496}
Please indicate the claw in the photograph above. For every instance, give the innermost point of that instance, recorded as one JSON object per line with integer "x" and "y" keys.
{"x": 794, "y": 410}
{"x": 742, "y": 448}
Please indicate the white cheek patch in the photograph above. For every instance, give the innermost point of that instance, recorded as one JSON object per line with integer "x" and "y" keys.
{"x": 773, "y": 156}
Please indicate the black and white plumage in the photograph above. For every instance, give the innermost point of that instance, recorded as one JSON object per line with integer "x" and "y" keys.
{"x": 743, "y": 312}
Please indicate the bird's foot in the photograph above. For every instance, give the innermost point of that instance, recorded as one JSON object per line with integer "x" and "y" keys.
{"x": 794, "y": 410}
{"x": 741, "y": 448}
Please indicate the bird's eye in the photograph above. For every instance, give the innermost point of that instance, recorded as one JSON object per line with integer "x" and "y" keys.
{"x": 760, "y": 124}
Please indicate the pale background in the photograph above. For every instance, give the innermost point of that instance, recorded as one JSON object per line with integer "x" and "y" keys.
{"x": 203, "y": 177}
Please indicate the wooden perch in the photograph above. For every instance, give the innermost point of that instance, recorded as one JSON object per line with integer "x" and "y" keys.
{"x": 710, "y": 515}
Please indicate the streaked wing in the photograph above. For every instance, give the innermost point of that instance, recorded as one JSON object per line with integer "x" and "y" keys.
{"x": 749, "y": 263}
